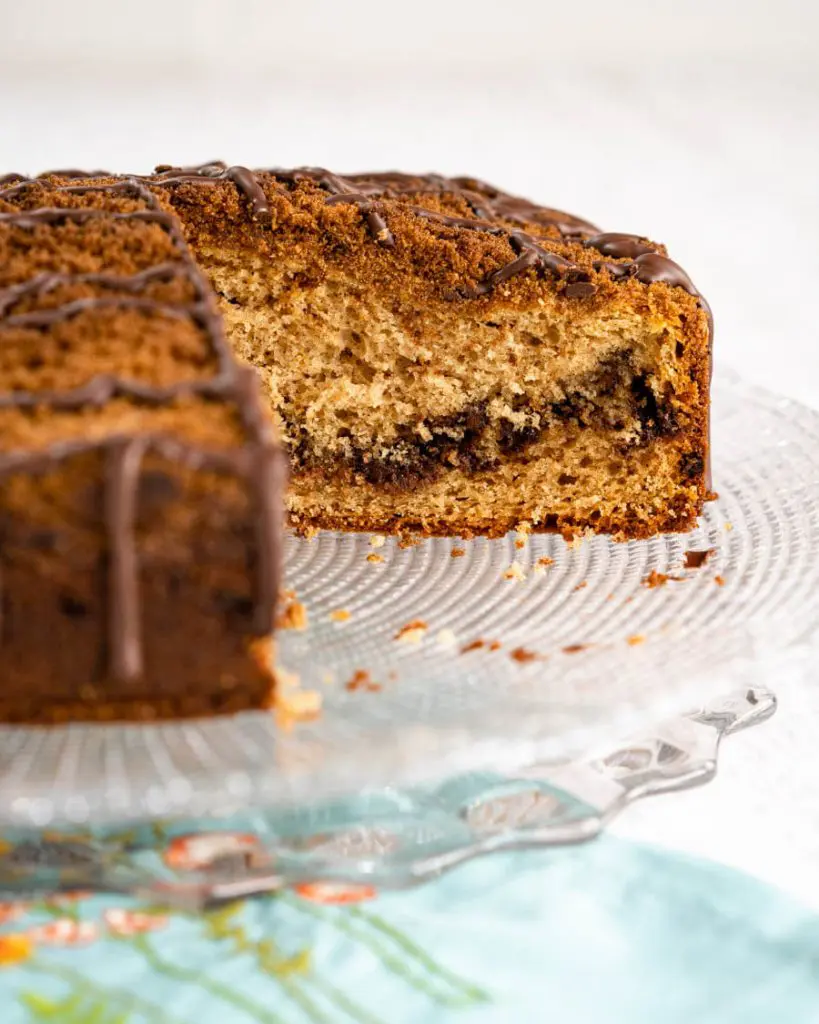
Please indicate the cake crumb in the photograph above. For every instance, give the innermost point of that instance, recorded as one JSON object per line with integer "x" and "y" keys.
{"x": 520, "y": 543}
{"x": 659, "y": 579}
{"x": 728, "y": 527}
{"x": 310, "y": 532}
{"x": 408, "y": 541}
{"x": 361, "y": 680}
{"x": 474, "y": 645}
{"x": 521, "y": 655}
{"x": 446, "y": 638}
{"x": 541, "y": 565}
{"x": 292, "y": 616}
{"x": 719, "y": 580}
{"x": 575, "y": 648}
{"x": 291, "y": 704}
{"x": 696, "y": 559}
{"x": 373, "y": 557}
{"x": 515, "y": 573}
{"x": 495, "y": 645}
{"x": 377, "y": 540}
{"x": 457, "y": 553}
{"x": 412, "y": 633}
{"x": 340, "y": 615}
{"x": 635, "y": 640}
{"x": 582, "y": 586}
{"x": 286, "y": 680}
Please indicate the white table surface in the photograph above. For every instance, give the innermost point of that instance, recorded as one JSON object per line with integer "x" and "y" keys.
{"x": 717, "y": 159}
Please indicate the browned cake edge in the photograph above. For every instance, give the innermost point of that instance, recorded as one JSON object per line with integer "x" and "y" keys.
{"x": 106, "y": 618}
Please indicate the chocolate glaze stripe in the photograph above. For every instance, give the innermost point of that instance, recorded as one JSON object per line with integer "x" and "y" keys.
{"x": 56, "y": 214}
{"x": 360, "y": 194}
{"x": 104, "y": 388}
{"x": 244, "y": 180}
{"x": 530, "y": 254}
{"x": 258, "y": 461}
{"x": 204, "y": 311}
{"x": 486, "y": 201}
{"x": 44, "y": 283}
{"x": 43, "y": 318}
{"x": 16, "y": 185}
{"x": 122, "y": 470}
{"x": 262, "y": 466}
{"x": 240, "y": 461}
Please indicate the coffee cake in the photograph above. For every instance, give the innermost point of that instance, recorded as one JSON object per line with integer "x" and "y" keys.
{"x": 140, "y": 482}
{"x": 445, "y": 358}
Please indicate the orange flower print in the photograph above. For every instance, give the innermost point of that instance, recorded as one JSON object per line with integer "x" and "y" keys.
{"x": 14, "y": 949}
{"x": 129, "y": 922}
{"x": 195, "y": 852}
{"x": 60, "y": 899}
{"x": 332, "y": 893}
{"x": 64, "y": 932}
{"x": 12, "y": 911}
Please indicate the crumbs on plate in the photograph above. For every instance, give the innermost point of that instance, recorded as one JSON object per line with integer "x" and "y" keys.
{"x": 515, "y": 573}
{"x": 361, "y": 680}
{"x": 412, "y": 633}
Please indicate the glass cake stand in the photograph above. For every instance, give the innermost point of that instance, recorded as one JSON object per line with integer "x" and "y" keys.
{"x": 492, "y": 660}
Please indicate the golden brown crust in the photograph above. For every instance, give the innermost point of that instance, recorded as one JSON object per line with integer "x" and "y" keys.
{"x": 132, "y": 443}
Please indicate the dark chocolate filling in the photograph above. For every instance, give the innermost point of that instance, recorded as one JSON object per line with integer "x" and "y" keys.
{"x": 462, "y": 440}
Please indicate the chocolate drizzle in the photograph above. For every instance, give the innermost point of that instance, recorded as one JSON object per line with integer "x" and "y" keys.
{"x": 367, "y": 191}
{"x": 245, "y": 181}
{"x": 361, "y": 194}
{"x": 258, "y": 460}
{"x": 123, "y": 462}
{"x": 42, "y": 284}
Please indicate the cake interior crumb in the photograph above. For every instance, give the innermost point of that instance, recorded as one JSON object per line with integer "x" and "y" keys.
{"x": 412, "y": 633}
{"x": 362, "y": 680}
{"x": 515, "y": 573}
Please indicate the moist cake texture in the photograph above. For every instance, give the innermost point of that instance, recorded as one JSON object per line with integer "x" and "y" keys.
{"x": 445, "y": 358}
{"x": 140, "y": 481}
{"x": 438, "y": 357}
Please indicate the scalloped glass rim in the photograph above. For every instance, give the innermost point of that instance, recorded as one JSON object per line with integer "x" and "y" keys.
{"x": 441, "y": 712}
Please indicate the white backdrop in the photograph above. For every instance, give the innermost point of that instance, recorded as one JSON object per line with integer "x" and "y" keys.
{"x": 265, "y": 35}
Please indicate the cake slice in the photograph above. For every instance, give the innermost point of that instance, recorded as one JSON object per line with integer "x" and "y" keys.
{"x": 140, "y": 481}
{"x": 443, "y": 357}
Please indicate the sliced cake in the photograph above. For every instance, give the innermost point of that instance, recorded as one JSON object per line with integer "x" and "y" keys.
{"x": 446, "y": 358}
{"x": 140, "y": 482}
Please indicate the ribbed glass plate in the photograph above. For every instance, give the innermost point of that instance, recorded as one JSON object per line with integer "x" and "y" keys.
{"x": 610, "y": 653}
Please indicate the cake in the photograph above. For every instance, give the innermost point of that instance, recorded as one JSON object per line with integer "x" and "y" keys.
{"x": 140, "y": 479}
{"x": 438, "y": 357}
{"x": 444, "y": 358}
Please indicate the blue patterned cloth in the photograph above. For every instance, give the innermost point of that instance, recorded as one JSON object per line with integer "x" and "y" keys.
{"x": 610, "y": 931}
